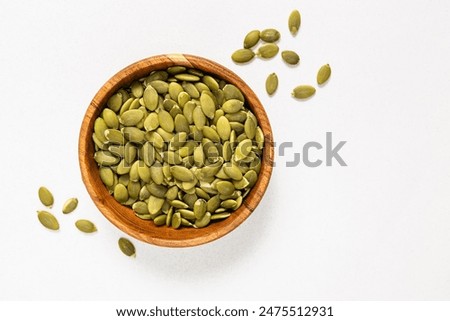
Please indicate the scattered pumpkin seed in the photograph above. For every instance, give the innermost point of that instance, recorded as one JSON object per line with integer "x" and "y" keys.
{"x": 290, "y": 57}
{"x": 271, "y": 83}
{"x": 127, "y": 247}
{"x": 70, "y": 205}
{"x": 268, "y": 50}
{"x": 303, "y": 91}
{"x": 270, "y": 35}
{"x": 242, "y": 55}
{"x": 48, "y": 220}
{"x": 86, "y": 226}
{"x": 251, "y": 39}
{"x": 294, "y": 22}
{"x": 45, "y": 196}
{"x": 323, "y": 74}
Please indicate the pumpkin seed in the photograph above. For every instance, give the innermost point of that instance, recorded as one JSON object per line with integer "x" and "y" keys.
{"x": 204, "y": 221}
{"x": 207, "y": 104}
{"x": 294, "y": 22}
{"x": 127, "y": 247}
{"x": 151, "y": 98}
{"x": 290, "y": 57}
{"x": 232, "y": 106}
{"x": 45, "y": 196}
{"x": 270, "y": 35}
{"x": 48, "y": 220}
{"x": 303, "y": 91}
{"x": 86, "y": 226}
{"x": 251, "y": 39}
{"x": 323, "y": 74}
{"x": 176, "y": 220}
{"x": 271, "y": 83}
{"x": 70, "y": 205}
{"x": 242, "y": 55}
{"x": 267, "y": 51}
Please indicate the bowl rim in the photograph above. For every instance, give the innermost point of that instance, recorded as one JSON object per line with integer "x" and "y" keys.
{"x": 114, "y": 212}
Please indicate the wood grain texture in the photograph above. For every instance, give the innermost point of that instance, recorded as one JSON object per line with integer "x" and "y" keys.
{"x": 122, "y": 216}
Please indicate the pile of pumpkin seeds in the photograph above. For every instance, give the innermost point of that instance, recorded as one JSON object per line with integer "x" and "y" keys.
{"x": 180, "y": 147}
{"x": 269, "y": 49}
{"x": 50, "y": 221}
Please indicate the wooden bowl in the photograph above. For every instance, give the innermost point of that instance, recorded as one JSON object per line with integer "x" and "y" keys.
{"x": 122, "y": 216}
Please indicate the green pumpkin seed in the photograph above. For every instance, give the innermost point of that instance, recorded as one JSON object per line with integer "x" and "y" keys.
{"x": 104, "y": 158}
{"x": 204, "y": 221}
{"x": 225, "y": 187}
{"x": 191, "y": 89}
{"x": 303, "y": 91}
{"x": 70, "y": 205}
{"x": 48, "y": 220}
{"x": 223, "y": 128}
{"x": 207, "y": 104}
{"x": 160, "y": 220}
{"x": 151, "y": 98}
{"x": 199, "y": 208}
{"x": 251, "y": 39}
{"x": 323, "y": 74}
{"x": 271, "y": 83}
{"x": 242, "y": 55}
{"x": 187, "y": 77}
{"x": 294, "y": 22}
{"x": 250, "y": 128}
{"x": 176, "y": 220}
{"x": 270, "y": 35}
{"x": 127, "y": 247}
{"x": 232, "y": 106}
{"x": 199, "y": 118}
{"x": 110, "y": 118}
{"x": 106, "y": 175}
{"x": 232, "y": 171}
{"x": 267, "y": 51}
{"x": 45, "y": 196}
{"x": 121, "y": 193}
{"x": 182, "y": 173}
{"x": 221, "y": 216}
{"x": 131, "y": 117}
{"x": 174, "y": 90}
{"x": 160, "y": 86}
{"x": 232, "y": 92}
{"x": 115, "y": 102}
{"x": 86, "y": 226}
{"x": 290, "y": 57}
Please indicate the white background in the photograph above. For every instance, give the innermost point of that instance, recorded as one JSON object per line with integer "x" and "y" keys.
{"x": 378, "y": 229}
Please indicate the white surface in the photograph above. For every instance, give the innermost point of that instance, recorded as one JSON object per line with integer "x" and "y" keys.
{"x": 377, "y": 229}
